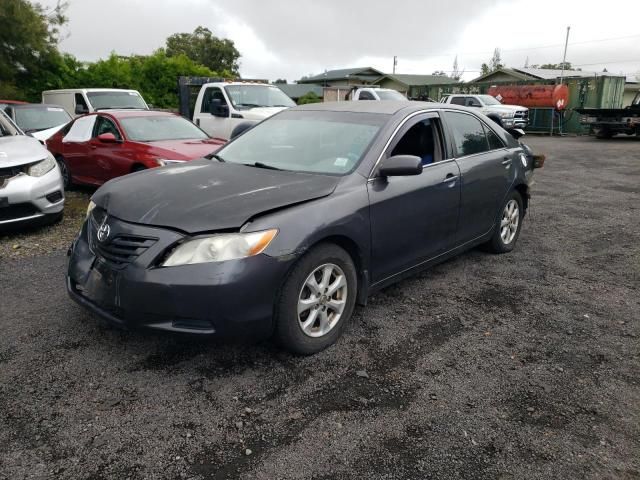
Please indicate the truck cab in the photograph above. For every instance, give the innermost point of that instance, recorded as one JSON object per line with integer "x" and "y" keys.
{"x": 509, "y": 116}
{"x": 221, "y": 106}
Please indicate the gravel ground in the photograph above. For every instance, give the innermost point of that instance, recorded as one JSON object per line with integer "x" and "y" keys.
{"x": 29, "y": 242}
{"x": 518, "y": 366}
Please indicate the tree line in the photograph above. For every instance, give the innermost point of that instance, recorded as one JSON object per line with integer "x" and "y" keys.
{"x": 31, "y": 62}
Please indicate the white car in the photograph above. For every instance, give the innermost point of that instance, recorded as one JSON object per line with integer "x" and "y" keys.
{"x": 38, "y": 120}
{"x": 507, "y": 116}
{"x": 222, "y": 106}
{"x": 79, "y": 101}
{"x": 31, "y": 188}
{"x": 372, "y": 93}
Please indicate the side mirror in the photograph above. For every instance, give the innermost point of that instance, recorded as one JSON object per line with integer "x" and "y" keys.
{"x": 217, "y": 109}
{"x": 107, "y": 138}
{"x": 401, "y": 166}
{"x": 81, "y": 109}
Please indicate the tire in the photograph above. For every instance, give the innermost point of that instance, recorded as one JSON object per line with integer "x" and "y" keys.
{"x": 138, "y": 168}
{"x": 66, "y": 174}
{"x": 604, "y": 134}
{"x": 315, "y": 326}
{"x": 503, "y": 241}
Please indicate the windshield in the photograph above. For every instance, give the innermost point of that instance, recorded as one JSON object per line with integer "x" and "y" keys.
{"x": 154, "y": 129}
{"x": 116, "y": 99}
{"x": 390, "y": 95}
{"x": 307, "y": 141}
{"x": 33, "y": 119}
{"x": 489, "y": 100}
{"x": 244, "y": 97}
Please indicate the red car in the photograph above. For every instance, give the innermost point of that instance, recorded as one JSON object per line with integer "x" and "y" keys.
{"x": 97, "y": 147}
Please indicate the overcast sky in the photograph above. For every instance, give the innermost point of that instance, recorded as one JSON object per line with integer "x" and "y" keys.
{"x": 292, "y": 38}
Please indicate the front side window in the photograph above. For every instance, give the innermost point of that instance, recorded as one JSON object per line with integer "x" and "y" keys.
{"x": 211, "y": 93}
{"x": 494, "y": 140}
{"x": 489, "y": 100}
{"x": 244, "y": 97}
{"x": 104, "y": 125}
{"x": 419, "y": 141}
{"x": 80, "y": 101}
{"x": 364, "y": 95}
{"x": 468, "y": 134}
{"x": 306, "y": 141}
{"x": 158, "y": 128}
{"x": 472, "y": 102}
{"x": 457, "y": 100}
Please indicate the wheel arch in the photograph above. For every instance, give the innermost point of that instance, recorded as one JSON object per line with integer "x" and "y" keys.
{"x": 523, "y": 190}
{"x": 359, "y": 261}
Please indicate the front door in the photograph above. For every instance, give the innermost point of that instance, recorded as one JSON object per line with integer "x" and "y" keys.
{"x": 414, "y": 218}
{"x": 108, "y": 159}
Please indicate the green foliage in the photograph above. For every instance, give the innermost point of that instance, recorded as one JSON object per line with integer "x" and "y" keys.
{"x": 154, "y": 76}
{"x": 555, "y": 66}
{"x": 309, "y": 97}
{"x": 204, "y": 48}
{"x": 28, "y": 47}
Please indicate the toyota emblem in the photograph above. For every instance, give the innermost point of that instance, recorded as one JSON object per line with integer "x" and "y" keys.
{"x": 103, "y": 232}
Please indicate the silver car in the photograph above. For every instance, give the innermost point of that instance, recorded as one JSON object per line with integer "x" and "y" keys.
{"x": 31, "y": 188}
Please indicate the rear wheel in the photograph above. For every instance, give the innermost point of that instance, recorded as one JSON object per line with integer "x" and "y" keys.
{"x": 316, "y": 301}
{"x": 509, "y": 225}
{"x": 66, "y": 175}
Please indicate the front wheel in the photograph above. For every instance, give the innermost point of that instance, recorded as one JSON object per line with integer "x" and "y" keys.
{"x": 66, "y": 174}
{"x": 509, "y": 225}
{"x": 316, "y": 301}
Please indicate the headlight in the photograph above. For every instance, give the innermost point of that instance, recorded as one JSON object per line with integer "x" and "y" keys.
{"x": 163, "y": 161}
{"x": 42, "y": 167}
{"x": 90, "y": 207}
{"x": 218, "y": 248}
{"x": 506, "y": 115}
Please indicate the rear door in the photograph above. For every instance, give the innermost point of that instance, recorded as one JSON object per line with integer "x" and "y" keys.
{"x": 486, "y": 172}
{"x": 75, "y": 149}
{"x": 414, "y": 218}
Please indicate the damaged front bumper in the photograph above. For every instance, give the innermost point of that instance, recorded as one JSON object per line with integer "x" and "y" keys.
{"x": 231, "y": 299}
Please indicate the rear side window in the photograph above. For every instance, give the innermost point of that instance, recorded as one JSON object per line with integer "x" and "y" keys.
{"x": 457, "y": 100}
{"x": 494, "y": 140}
{"x": 468, "y": 134}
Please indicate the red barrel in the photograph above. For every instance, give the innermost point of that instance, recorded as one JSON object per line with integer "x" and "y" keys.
{"x": 532, "y": 96}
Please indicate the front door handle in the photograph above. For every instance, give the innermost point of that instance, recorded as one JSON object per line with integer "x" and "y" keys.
{"x": 506, "y": 161}
{"x": 450, "y": 178}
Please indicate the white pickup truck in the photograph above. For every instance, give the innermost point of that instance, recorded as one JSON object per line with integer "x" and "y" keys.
{"x": 509, "y": 116}
{"x": 367, "y": 93}
{"x": 222, "y": 106}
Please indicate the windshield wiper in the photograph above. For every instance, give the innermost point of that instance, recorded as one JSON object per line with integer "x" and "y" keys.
{"x": 252, "y": 105}
{"x": 262, "y": 165}
{"x": 216, "y": 156}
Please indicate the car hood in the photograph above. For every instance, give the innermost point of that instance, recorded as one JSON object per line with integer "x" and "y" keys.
{"x": 505, "y": 108}
{"x": 44, "y": 135}
{"x": 183, "y": 149}
{"x": 206, "y": 195}
{"x": 260, "y": 113}
{"x": 20, "y": 150}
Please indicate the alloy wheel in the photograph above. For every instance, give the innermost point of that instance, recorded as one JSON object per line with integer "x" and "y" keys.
{"x": 322, "y": 300}
{"x": 510, "y": 221}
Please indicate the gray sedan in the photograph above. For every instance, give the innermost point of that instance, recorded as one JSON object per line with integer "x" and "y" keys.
{"x": 283, "y": 230}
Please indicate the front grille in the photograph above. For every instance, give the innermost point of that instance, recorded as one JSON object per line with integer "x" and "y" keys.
{"x": 9, "y": 172}
{"x": 522, "y": 115}
{"x": 17, "y": 211}
{"x": 121, "y": 248}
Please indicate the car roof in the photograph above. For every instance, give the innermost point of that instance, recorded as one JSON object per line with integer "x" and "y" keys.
{"x": 126, "y": 113}
{"x": 36, "y": 105}
{"x": 13, "y": 102}
{"x": 77, "y": 90}
{"x": 387, "y": 107}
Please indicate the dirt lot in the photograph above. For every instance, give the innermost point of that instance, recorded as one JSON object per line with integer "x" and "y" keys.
{"x": 519, "y": 366}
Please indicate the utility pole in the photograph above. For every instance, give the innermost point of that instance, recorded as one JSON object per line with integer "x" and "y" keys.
{"x": 564, "y": 57}
{"x": 395, "y": 62}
